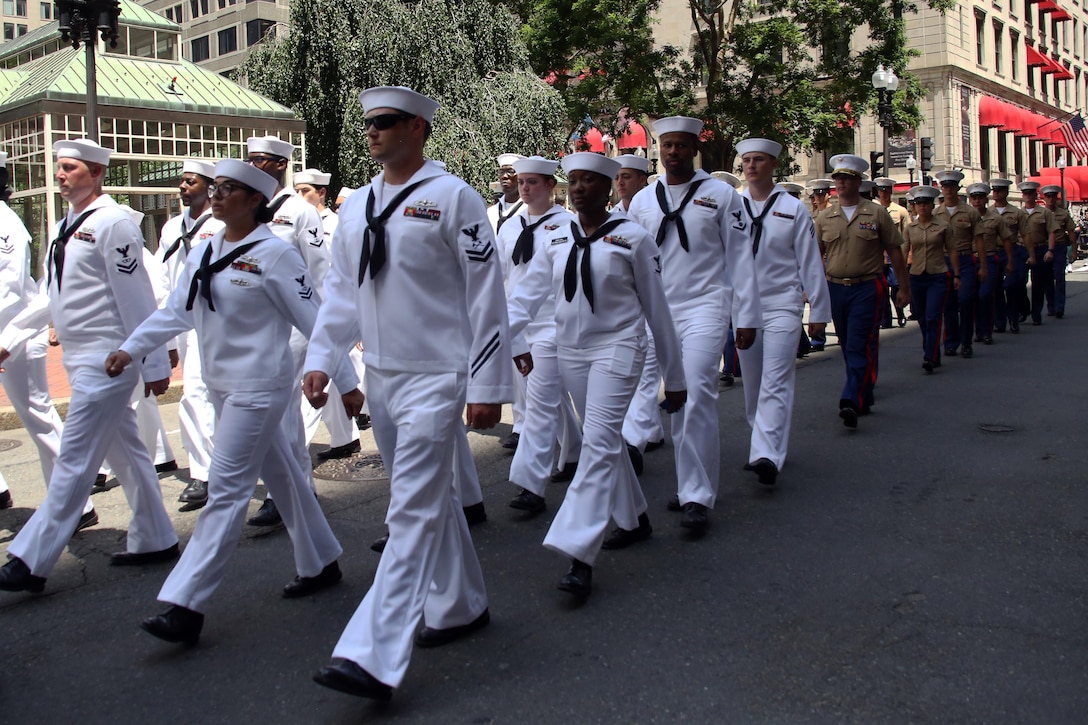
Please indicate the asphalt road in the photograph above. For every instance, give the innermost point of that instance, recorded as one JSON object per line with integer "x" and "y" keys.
{"x": 918, "y": 569}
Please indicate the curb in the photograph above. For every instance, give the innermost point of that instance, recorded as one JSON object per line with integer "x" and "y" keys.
{"x": 9, "y": 420}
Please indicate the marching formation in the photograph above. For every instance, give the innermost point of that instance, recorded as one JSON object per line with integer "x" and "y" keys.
{"x": 417, "y": 308}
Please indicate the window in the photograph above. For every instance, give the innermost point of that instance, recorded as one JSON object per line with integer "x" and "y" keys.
{"x": 194, "y": 9}
{"x": 9, "y": 31}
{"x": 1014, "y": 54}
{"x": 228, "y": 40}
{"x": 257, "y": 30}
{"x": 980, "y": 37}
{"x": 199, "y": 49}
{"x": 169, "y": 14}
{"x": 46, "y": 11}
{"x": 141, "y": 43}
{"x": 225, "y": 3}
{"x": 20, "y": 29}
{"x": 9, "y": 8}
{"x": 999, "y": 43}
{"x": 20, "y": 8}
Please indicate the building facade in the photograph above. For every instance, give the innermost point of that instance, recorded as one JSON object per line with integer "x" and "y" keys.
{"x": 217, "y": 34}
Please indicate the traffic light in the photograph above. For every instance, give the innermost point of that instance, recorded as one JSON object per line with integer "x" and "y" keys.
{"x": 927, "y": 154}
{"x": 876, "y": 165}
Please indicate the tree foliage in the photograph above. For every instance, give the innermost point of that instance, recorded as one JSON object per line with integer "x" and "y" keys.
{"x": 467, "y": 55}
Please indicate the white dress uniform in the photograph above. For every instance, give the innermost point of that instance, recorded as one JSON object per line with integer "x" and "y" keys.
{"x": 24, "y": 378}
{"x": 642, "y": 424}
{"x": 250, "y": 373}
{"x": 97, "y": 296}
{"x": 196, "y": 415}
{"x": 499, "y": 214}
{"x": 788, "y": 266}
{"x": 148, "y": 419}
{"x": 705, "y": 283}
{"x": 548, "y": 413}
{"x": 434, "y": 331}
{"x": 601, "y": 347}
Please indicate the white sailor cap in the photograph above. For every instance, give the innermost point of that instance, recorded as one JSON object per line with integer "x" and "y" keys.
{"x": 271, "y": 145}
{"x": 313, "y": 177}
{"x": 590, "y": 161}
{"x": 345, "y": 192}
{"x": 638, "y": 163}
{"x": 3, "y": 159}
{"x": 249, "y": 175}
{"x": 792, "y": 188}
{"x": 536, "y": 165}
{"x": 924, "y": 193}
{"x": 1032, "y": 186}
{"x": 951, "y": 176}
{"x": 848, "y": 165}
{"x": 83, "y": 149}
{"x": 883, "y": 182}
{"x": 678, "y": 124}
{"x": 979, "y": 188}
{"x": 135, "y": 216}
{"x": 508, "y": 159}
{"x": 1051, "y": 189}
{"x": 761, "y": 145}
{"x": 731, "y": 179}
{"x": 400, "y": 98}
{"x": 997, "y": 184}
{"x": 199, "y": 167}
{"x": 867, "y": 186}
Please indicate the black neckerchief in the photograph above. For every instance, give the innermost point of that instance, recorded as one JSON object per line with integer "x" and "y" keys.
{"x": 202, "y": 278}
{"x": 187, "y": 237}
{"x": 56, "y": 249}
{"x": 570, "y": 276}
{"x": 674, "y": 216}
{"x": 757, "y": 221}
{"x": 374, "y": 237}
{"x": 502, "y": 218}
{"x": 523, "y": 248}
{"x": 274, "y": 206}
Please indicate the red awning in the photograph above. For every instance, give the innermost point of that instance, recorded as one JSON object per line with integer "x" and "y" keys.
{"x": 1048, "y": 6}
{"x": 1049, "y": 175}
{"x": 592, "y": 140}
{"x": 1035, "y": 58}
{"x": 633, "y": 138}
{"x": 1061, "y": 16}
{"x": 1060, "y": 71}
{"x": 991, "y": 112}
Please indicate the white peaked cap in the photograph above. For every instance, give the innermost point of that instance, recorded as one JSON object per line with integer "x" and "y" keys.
{"x": 924, "y": 192}
{"x": 270, "y": 145}
{"x": 400, "y": 98}
{"x": 83, "y": 149}
{"x": 638, "y": 163}
{"x": 249, "y": 175}
{"x": 678, "y": 124}
{"x": 536, "y": 165}
{"x": 507, "y": 159}
{"x": 849, "y": 164}
{"x": 762, "y": 145}
{"x": 792, "y": 187}
{"x": 345, "y": 192}
{"x": 315, "y": 177}
{"x": 731, "y": 179}
{"x": 589, "y": 161}
{"x": 199, "y": 167}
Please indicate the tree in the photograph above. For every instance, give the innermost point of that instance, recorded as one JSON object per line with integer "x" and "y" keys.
{"x": 784, "y": 69}
{"x": 466, "y": 55}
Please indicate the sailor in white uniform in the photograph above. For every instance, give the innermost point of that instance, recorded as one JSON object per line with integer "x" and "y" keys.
{"x": 96, "y": 291}
{"x": 602, "y": 274}
{"x": 788, "y": 266}
{"x": 433, "y": 320}
{"x": 709, "y": 276}
{"x": 24, "y": 371}
{"x": 196, "y": 415}
{"x": 243, "y": 291}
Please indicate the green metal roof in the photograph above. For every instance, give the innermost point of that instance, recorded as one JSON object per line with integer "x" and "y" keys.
{"x": 134, "y": 14}
{"x": 9, "y": 81}
{"x": 137, "y": 83}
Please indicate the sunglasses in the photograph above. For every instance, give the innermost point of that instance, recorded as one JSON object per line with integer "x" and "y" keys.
{"x": 820, "y": 192}
{"x": 386, "y": 121}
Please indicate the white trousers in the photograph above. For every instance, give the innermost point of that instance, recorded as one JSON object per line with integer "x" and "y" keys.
{"x": 642, "y": 424}
{"x": 341, "y": 428}
{"x": 291, "y": 421}
{"x": 149, "y": 422}
{"x": 517, "y": 408}
{"x": 695, "y": 426}
{"x": 249, "y": 442}
{"x": 548, "y": 415}
{"x": 770, "y": 371}
{"x": 100, "y": 424}
{"x": 429, "y": 568}
{"x": 468, "y": 479}
{"x": 196, "y": 415}
{"x": 601, "y": 382}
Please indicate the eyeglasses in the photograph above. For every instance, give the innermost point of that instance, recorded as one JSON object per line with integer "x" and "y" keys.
{"x": 225, "y": 189}
{"x": 256, "y": 160}
{"x": 386, "y": 121}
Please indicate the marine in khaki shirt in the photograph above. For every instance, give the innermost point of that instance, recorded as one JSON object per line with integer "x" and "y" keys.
{"x": 884, "y": 189}
{"x": 1039, "y": 227}
{"x": 929, "y": 243}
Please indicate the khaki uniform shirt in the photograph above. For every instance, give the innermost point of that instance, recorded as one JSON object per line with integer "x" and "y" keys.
{"x": 855, "y": 248}
{"x": 929, "y": 245}
{"x": 1013, "y": 217}
{"x": 994, "y": 231}
{"x": 1037, "y": 226}
{"x": 899, "y": 215}
{"x": 965, "y": 224}
{"x": 1065, "y": 222}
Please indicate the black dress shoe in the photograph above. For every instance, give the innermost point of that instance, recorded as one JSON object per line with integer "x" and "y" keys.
{"x": 578, "y": 580}
{"x": 766, "y": 471}
{"x": 1059, "y": 315}
{"x": 195, "y": 492}
{"x": 5, "y": 500}
{"x": 429, "y": 637}
{"x": 726, "y": 380}
{"x": 176, "y": 624}
{"x": 927, "y": 366}
{"x": 87, "y": 520}
{"x": 99, "y": 484}
{"x": 695, "y": 517}
{"x": 673, "y": 504}
{"x": 988, "y": 340}
{"x": 303, "y": 585}
{"x": 350, "y": 678}
{"x": 267, "y": 515}
{"x": 967, "y": 353}
{"x": 564, "y": 474}
{"x": 1014, "y": 328}
{"x": 379, "y": 543}
{"x": 636, "y": 459}
{"x": 345, "y": 451}
{"x": 950, "y": 352}
{"x": 475, "y": 514}
{"x": 510, "y": 442}
{"x": 132, "y": 558}
{"x": 528, "y": 501}
{"x": 622, "y": 538}
{"x": 362, "y": 421}
{"x": 15, "y": 576}
{"x": 654, "y": 445}
{"x": 166, "y": 467}
{"x": 849, "y": 417}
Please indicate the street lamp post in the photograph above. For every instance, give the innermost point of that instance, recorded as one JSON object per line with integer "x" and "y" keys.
{"x": 885, "y": 82}
{"x": 912, "y": 164}
{"x": 83, "y": 21}
{"x": 1061, "y": 171}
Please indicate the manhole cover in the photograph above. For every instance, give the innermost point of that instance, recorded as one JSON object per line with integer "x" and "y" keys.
{"x": 7, "y": 444}
{"x": 995, "y": 428}
{"x": 363, "y": 466}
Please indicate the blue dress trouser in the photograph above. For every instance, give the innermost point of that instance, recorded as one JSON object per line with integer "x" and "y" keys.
{"x": 1015, "y": 284}
{"x": 856, "y": 311}
{"x": 928, "y": 294}
{"x": 959, "y": 309}
{"x": 1042, "y": 283}
{"x": 1001, "y": 310}
{"x": 1061, "y": 258}
{"x": 984, "y": 312}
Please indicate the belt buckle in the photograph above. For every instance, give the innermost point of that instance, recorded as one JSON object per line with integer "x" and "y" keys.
{"x": 848, "y": 281}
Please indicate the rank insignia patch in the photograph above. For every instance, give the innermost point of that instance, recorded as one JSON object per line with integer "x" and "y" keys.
{"x": 5, "y": 246}
{"x": 738, "y": 223}
{"x": 420, "y": 212}
{"x": 126, "y": 264}
{"x": 480, "y": 249}
{"x": 304, "y": 290}
{"x": 316, "y": 237}
{"x": 657, "y": 264}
